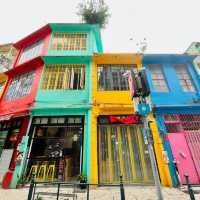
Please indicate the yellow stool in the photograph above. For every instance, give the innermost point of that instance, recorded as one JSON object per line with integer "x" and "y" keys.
{"x": 51, "y": 172}
{"x": 42, "y": 171}
{"x": 33, "y": 171}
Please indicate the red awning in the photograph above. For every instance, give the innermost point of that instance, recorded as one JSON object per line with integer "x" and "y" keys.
{"x": 7, "y": 117}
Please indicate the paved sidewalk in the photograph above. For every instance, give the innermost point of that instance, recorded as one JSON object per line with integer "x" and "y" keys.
{"x": 131, "y": 193}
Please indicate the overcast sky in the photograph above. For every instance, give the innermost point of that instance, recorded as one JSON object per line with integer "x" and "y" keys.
{"x": 168, "y": 25}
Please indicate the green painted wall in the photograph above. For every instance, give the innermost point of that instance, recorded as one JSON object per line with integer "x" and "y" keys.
{"x": 94, "y": 44}
{"x": 69, "y": 102}
{"x": 65, "y": 98}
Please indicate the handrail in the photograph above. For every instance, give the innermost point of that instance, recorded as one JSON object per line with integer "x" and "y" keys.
{"x": 35, "y": 184}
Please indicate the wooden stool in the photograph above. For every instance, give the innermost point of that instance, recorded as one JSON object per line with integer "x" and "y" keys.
{"x": 42, "y": 171}
{"x": 33, "y": 171}
{"x": 51, "y": 172}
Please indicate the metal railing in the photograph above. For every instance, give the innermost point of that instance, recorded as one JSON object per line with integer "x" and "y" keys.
{"x": 74, "y": 191}
{"x": 189, "y": 188}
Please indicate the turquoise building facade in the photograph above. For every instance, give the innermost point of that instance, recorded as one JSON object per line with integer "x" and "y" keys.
{"x": 69, "y": 49}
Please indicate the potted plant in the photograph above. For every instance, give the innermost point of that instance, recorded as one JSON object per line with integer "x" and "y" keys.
{"x": 94, "y": 12}
{"x": 83, "y": 181}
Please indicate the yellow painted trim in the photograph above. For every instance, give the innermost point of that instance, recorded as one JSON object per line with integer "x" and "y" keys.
{"x": 117, "y": 58}
{"x": 120, "y": 151}
{"x": 119, "y": 103}
{"x": 112, "y": 99}
{"x": 3, "y": 79}
{"x": 110, "y": 154}
{"x": 108, "y": 102}
{"x": 141, "y": 149}
{"x": 158, "y": 146}
{"x": 94, "y": 150}
{"x": 133, "y": 169}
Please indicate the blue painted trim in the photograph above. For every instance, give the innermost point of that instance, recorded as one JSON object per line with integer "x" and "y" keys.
{"x": 176, "y": 109}
{"x": 162, "y": 130}
{"x": 167, "y": 58}
{"x": 175, "y": 97}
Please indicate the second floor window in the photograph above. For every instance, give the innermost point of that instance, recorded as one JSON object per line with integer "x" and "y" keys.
{"x": 158, "y": 78}
{"x": 184, "y": 78}
{"x": 64, "y": 77}
{"x": 69, "y": 41}
{"x": 110, "y": 77}
{"x": 20, "y": 86}
{"x": 31, "y": 51}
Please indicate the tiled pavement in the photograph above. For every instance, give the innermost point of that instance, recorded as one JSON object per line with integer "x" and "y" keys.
{"x": 102, "y": 193}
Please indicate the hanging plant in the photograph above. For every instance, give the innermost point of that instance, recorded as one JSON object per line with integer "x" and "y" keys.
{"x": 94, "y": 12}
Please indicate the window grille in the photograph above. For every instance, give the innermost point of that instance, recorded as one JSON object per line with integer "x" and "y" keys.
{"x": 64, "y": 77}
{"x": 158, "y": 78}
{"x": 69, "y": 41}
{"x": 182, "y": 123}
{"x": 110, "y": 76}
{"x": 184, "y": 78}
{"x": 31, "y": 51}
{"x": 121, "y": 150}
{"x": 20, "y": 86}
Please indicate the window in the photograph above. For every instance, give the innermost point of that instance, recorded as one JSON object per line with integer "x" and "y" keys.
{"x": 69, "y": 41}
{"x": 20, "y": 86}
{"x": 1, "y": 85}
{"x": 197, "y": 67}
{"x": 184, "y": 78}
{"x": 158, "y": 78}
{"x": 110, "y": 77}
{"x": 31, "y": 51}
{"x": 64, "y": 77}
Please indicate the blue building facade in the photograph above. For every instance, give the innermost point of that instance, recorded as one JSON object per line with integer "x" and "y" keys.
{"x": 175, "y": 97}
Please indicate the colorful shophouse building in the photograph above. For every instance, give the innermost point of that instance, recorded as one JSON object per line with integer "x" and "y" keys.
{"x": 7, "y": 57}
{"x": 117, "y": 146}
{"x": 65, "y": 112}
{"x": 175, "y": 98}
{"x": 18, "y": 98}
{"x": 54, "y": 63}
{"x": 58, "y": 131}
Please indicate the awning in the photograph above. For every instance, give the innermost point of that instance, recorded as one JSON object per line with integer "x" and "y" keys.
{"x": 7, "y": 117}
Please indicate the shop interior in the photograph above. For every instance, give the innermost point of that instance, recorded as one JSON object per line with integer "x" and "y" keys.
{"x": 56, "y": 150}
{"x": 9, "y": 134}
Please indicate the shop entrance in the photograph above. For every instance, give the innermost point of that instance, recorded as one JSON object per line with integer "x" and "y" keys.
{"x": 184, "y": 138}
{"x": 9, "y": 132}
{"x": 55, "y": 149}
{"x": 122, "y": 151}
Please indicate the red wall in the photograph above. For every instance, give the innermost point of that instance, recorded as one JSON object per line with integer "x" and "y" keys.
{"x": 43, "y": 33}
{"x": 22, "y": 104}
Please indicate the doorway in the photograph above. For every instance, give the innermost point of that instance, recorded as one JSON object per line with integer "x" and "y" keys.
{"x": 122, "y": 151}
{"x": 9, "y": 134}
{"x": 184, "y": 138}
{"x": 56, "y": 149}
